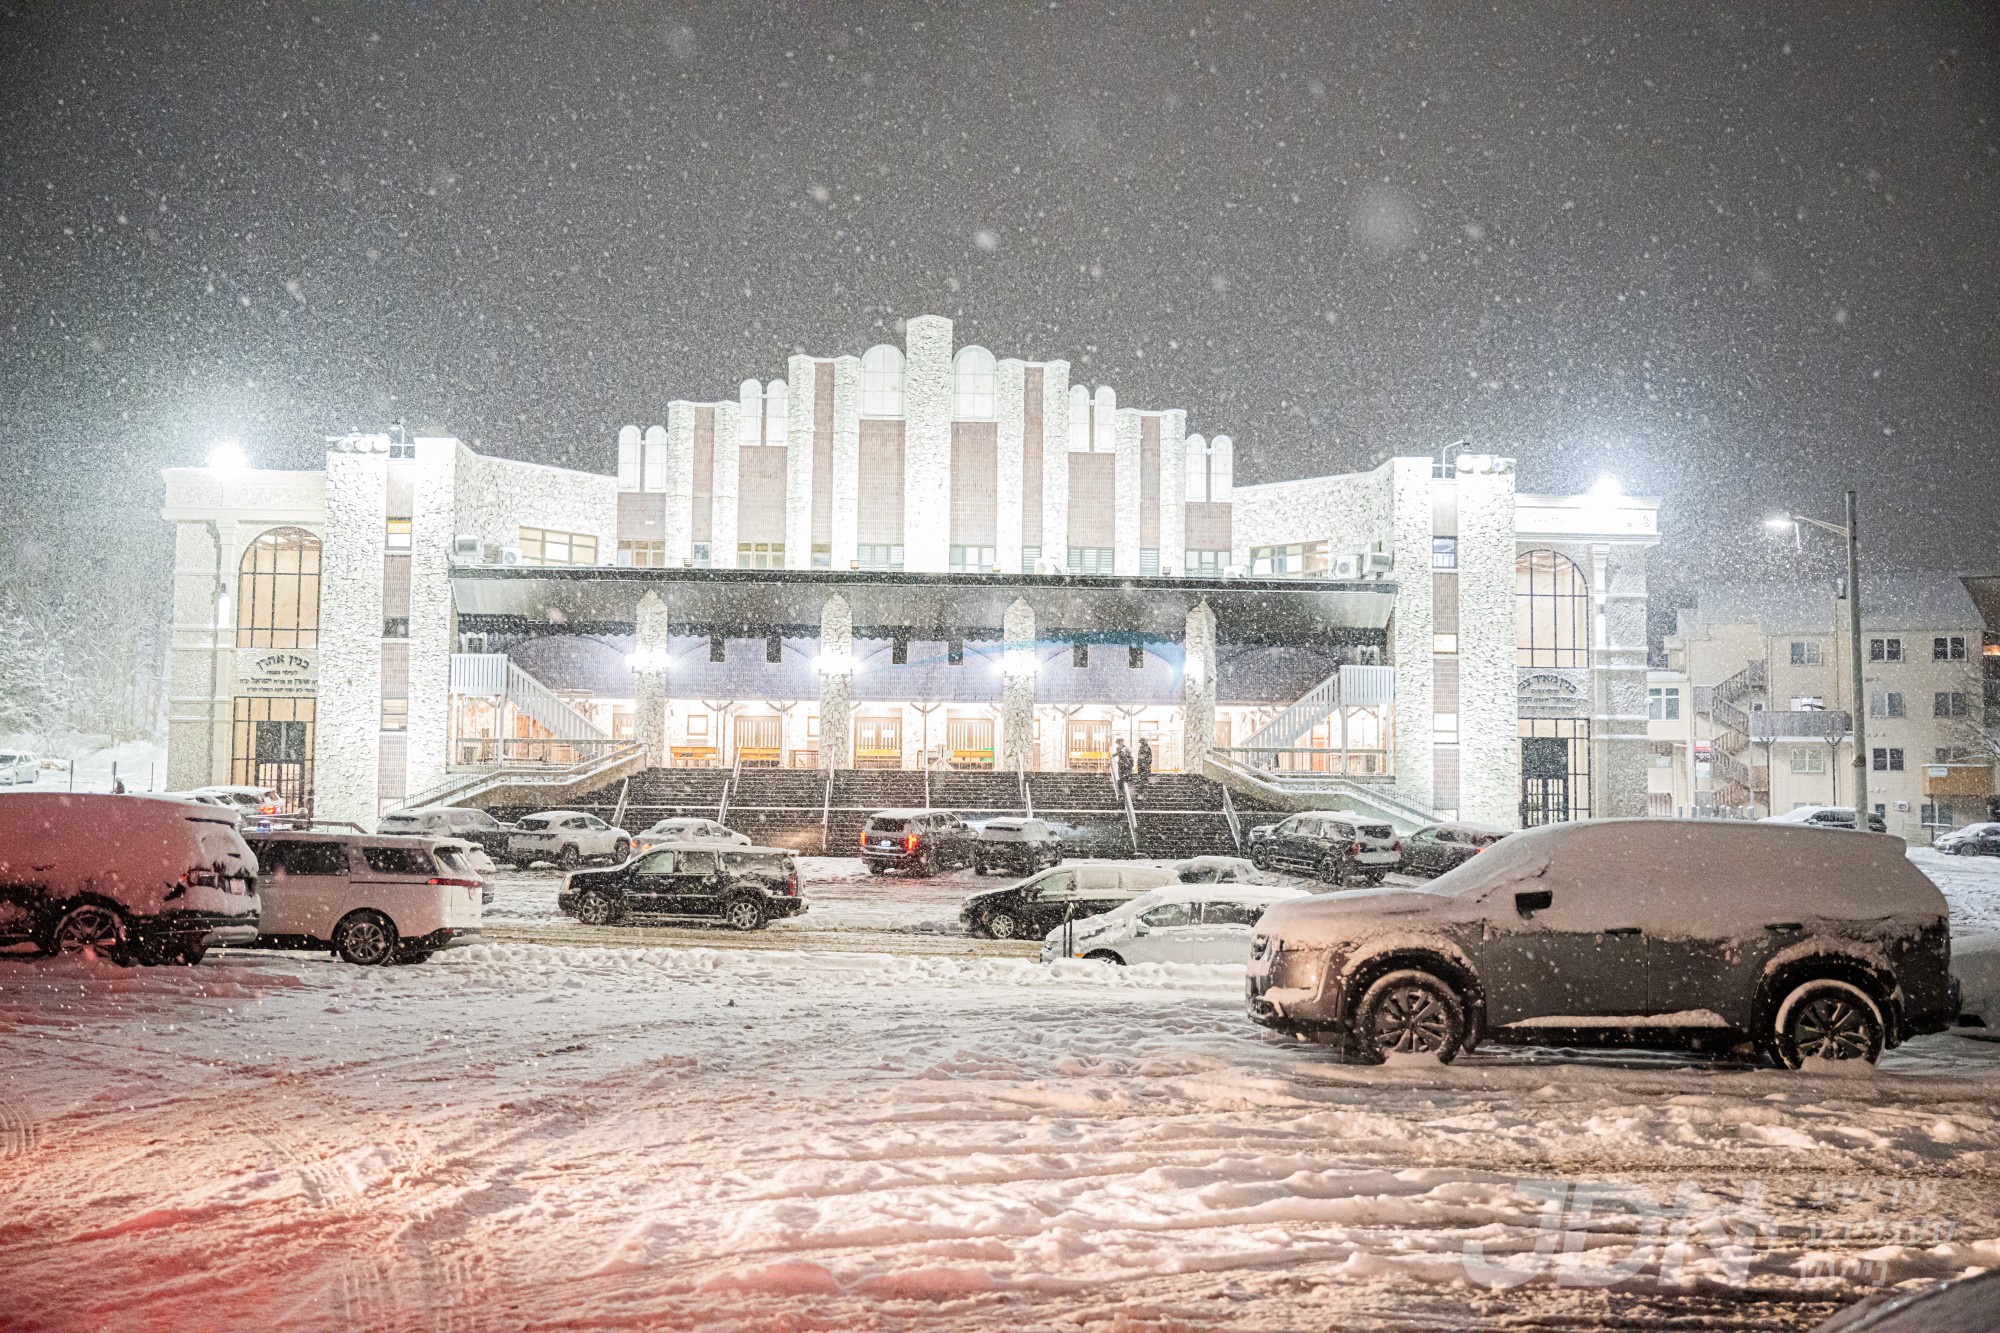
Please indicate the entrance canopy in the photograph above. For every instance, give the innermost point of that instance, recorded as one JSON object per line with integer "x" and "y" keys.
{"x": 749, "y": 602}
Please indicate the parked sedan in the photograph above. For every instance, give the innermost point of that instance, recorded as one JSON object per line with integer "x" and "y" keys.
{"x": 1022, "y": 846}
{"x": 18, "y": 769}
{"x": 1826, "y": 816}
{"x": 742, "y": 887}
{"x": 1972, "y": 840}
{"x": 1441, "y": 847}
{"x": 1217, "y": 870}
{"x": 1181, "y": 923}
{"x": 1037, "y": 904}
{"x": 687, "y": 828}
{"x": 1340, "y": 847}
{"x": 450, "y": 821}
{"x": 568, "y": 838}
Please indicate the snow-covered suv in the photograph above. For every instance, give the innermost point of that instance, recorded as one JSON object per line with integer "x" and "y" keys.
{"x": 1803, "y": 942}
{"x": 568, "y": 838}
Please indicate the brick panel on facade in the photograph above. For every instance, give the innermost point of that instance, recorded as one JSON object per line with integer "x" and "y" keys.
{"x": 395, "y": 669}
{"x": 1444, "y": 685}
{"x": 642, "y": 516}
{"x": 1444, "y": 603}
{"x": 881, "y": 518}
{"x": 760, "y": 503}
{"x": 702, "y": 525}
{"x": 1092, "y": 500}
{"x": 1149, "y": 489}
{"x": 1444, "y": 777}
{"x": 1210, "y": 526}
{"x": 975, "y": 495}
{"x": 1031, "y": 457}
{"x": 396, "y": 587}
{"x": 392, "y": 766}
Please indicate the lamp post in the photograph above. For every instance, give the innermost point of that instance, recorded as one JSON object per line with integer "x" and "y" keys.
{"x": 1852, "y": 533}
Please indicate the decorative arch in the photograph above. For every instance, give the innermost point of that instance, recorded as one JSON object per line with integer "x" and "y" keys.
{"x": 882, "y": 381}
{"x": 277, "y": 591}
{"x": 1551, "y": 611}
{"x": 973, "y": 374}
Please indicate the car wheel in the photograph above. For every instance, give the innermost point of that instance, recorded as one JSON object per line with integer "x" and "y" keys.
{"x": 1408, "y": 1013}
{"x": 1332, "y": 870}
{"x": 596, "y": 909}
{"x": 927, "y": 862}
{"x": 875, "y": 867}
{"x": 621, "y": 851}
{"x": 743, "y": 914}
{"x": 568, "y": 858}
{"x": 365, "y": 939}
{"x": 1965, "y": 849}
{"x": 97, "y": 927}
{"x": 1827, "y": 1019}
{"x": 979, "y": 868}
{"x": 1002, "y": 925}
{"x": 523, "y": 863}
{"x": 1374, "y": 877}
{"x": 1103, "y": 956}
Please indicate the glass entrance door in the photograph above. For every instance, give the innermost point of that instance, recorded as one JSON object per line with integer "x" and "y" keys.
{"x": 273, "y": 747}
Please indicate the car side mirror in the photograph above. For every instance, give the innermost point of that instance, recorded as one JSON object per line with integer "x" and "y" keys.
{"x": 1527, "y": 904}
{"x": 1141, "y": 928}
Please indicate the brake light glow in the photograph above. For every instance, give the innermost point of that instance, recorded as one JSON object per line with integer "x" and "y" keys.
{"x": 864, "y": 837}
{"x": 910, "y": 842}
{"x": 1396, "y": 846}
{"x": 1354, "y": 848}
{"x": 454, "y": 883}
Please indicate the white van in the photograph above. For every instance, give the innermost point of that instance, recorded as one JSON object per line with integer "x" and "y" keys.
{"x": 372, "y": 899}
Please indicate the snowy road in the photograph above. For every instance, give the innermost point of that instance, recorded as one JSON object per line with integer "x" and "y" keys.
{"x": 536, "y": 1136}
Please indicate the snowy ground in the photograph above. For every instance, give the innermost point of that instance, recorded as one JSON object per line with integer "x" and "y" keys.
{"x": 533, "y": 1135}
{"x": 140, "y": 765}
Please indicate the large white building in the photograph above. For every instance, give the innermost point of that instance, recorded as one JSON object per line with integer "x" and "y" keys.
{"x": 919, "y": 556}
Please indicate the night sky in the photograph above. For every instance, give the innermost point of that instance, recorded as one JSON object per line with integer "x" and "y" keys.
{"x": 1739, "y": 257}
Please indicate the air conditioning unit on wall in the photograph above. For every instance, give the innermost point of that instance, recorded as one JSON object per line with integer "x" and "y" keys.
{"x": 1347, "y": 567}
{"x": 465, "y": 549}
{"x": 510, "y": 555}
{"x": 1376, "y": 564}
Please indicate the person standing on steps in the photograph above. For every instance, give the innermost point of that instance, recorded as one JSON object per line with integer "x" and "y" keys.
{"x": 1121, "y": 761}
{"x": 1145, "y": 767}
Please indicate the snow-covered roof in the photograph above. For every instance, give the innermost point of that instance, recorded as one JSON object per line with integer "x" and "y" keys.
{"x": 1923, "y": 600}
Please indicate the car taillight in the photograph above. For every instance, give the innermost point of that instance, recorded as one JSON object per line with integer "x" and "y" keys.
{"x": 792, "y": 887}
{"x": 864, "y": 837}
{"x": 202, "y": 879}
{"x": 267, "y": 809}
{"x": 1354, "y": 849}
{"x": 454, "y": 883}
{"x": 910, "y": 843}
{"x": 1396, "y": 846}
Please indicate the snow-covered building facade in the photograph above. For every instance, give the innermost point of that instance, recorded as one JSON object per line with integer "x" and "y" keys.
{"x": 919, "y": 556}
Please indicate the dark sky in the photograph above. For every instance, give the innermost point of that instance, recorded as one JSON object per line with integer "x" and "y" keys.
{"x": 1738, "y": 256}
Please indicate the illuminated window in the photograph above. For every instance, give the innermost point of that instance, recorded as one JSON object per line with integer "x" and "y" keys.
{"x": 972, "y": 384}
{"x": 1444, "y": 645}
{"x": 1444, "y": 728}
{"x": 277, "y": 591}
{"x": 395, "y": 715}
{"x": 397, "y": 537}
{"x": 544, "y": 546}
{"x": 760, "y": 555}
{"x": 882, "y": 382}
{"x": 1444, "y": 553}
{"x": 642, "y": 555}
{"x": 1204, "y": 563}
{"x": 1551, "y": 611}
{"x": 879, "y": 557}
{"x": 971, "y": 559}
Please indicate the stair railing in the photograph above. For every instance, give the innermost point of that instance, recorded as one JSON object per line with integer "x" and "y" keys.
{"x": 1235, "y": 825}
{"x": 1131, "y": 816}
{"x": 826, "y": 816}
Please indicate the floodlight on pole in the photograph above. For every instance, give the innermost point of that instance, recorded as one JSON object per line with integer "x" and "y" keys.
{"x": 226, "y": 456}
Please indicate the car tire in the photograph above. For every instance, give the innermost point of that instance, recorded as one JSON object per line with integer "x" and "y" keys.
{"x": 594, "y": 908}
{"x": 523, "y": 863}
{"x": 1374, "y": 877}
{"x": 927, "y": 862}
{"x": 743, "y": 914}
{"x": 979, "y": 868}
{"x": 875, "y": 867}
{"x": 1332, "y": 870}
{"x": 365, "y": 938}
{"x": 1002, "y": 926}
{"x": 1408, "y": 1012}
{"x": 1103, "y": 956}
{"x": 99, "y": 927}
{"x": 1965, "y": 849}
{"x": 621, "y": 851}
{"x": 1826, "y": 1019}
{"x": 568, "y": 858}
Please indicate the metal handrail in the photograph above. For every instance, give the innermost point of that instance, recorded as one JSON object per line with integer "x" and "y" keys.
{"x": 1235, "y": 825}
{"x": 1131, "y": 816}
{"x": 464, "y": 782}
{"x": 1300, "y": 717}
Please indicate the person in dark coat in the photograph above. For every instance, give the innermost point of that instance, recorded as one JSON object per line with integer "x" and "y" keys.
{"x": 1121, "y": 759}
{"x": 1145, "y": 767}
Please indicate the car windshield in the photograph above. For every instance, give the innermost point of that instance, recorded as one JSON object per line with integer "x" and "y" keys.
{"x": 533, "y": 822}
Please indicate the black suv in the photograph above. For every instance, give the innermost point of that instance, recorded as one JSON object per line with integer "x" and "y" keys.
{"x": 922, "y": 842}
{"x": 1340, "y": 848}
{"x": 742, "y": 887}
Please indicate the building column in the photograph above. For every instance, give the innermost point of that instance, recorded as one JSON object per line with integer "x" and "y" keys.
{"x": 1411, "y": 638}
{"x": 649, "y": 671}
{"x": 724, "y": 486}
{"x": 1055, "y": 462}
{"x": 1620, "y": 751}
{"x": 1125, "y": 491}
{"x": 836, "y": 684}
{"x": 927, "y": 404}
{"x": 1198, "y": 687}
{"x": 844, "y": 527}
{"x": 1011, "y": 426}
{"x": 347, "y": 733}
{"x": 433, "y": 628}
{"x": 1173, "y": 491}
{"x": 802, "y": 381}
{"x": 1489, "y": 729}
{"x": 679, "y": 524}
{"x": 1019, "y": 658}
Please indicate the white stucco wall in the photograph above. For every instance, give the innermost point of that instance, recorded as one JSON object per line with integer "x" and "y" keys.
{"x": 927, "y": 403}
{"x": 1410, "y": 630}
{"x": 724, "y": 488}
{"x": 1349, "y": 512}
{"x": 844, "y": 530}
{"x": 679, "y": 528}
{"x": 347, "y": 733}
{"x": 1125, "y": 492}
{"x": 1173, "y": 491}
{"x": 1055, "y": 462}
{"x": 1009, "y": 411}
{"x": 1488, "y": 716}
{"x": 802, "y": 379}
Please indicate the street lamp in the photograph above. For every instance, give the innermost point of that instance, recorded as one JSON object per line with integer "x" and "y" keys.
{"x": 1852, "y": 533}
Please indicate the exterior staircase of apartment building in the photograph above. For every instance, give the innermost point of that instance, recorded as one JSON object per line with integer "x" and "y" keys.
{"x": 1741, "y": 719}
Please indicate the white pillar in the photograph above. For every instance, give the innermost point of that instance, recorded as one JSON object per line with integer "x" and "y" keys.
{"x": 1018, "y": 659}
{"x": 433, "y": 633}
{"x": 1173, "y": 490}
{"x": 679, "y": 527}
{"x": 1055, "y": 462}
{"x": 844, "y": 534}
{"x": 649, "y": 670}
{"x": 1125, "y": 493}
{"x": 723, "y": 487}
{"x": 1489, "y": 741}
{"x": 1198, "y": 687}
{"x": 927, "y": 403}
{"x": 1010, "y": 417}
{"x": 836, "y": 684}
{"x": 1411, "y": 642}
{"x": 803, "y": 379}
{"x": 348, "y": 714}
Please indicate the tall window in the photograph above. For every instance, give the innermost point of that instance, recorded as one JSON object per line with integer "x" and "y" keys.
{"x": 972, "y": 379}
{"x": 750, "y": 416}
{"x": 277, "y": 591}
{"x": 777, "y": 413}
{"x": 882, "y": 382}
{"x": 1551, "y": 611}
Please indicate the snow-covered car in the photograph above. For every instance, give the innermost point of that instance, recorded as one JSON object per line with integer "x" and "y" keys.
{"x": 1975, "y": 962}
{"x": 1436, "y": 848}
{"x": 1217, "y": 870}
{"x": 246, "y": 801}
{"x": 370, "y": 898}
{"x": 1972, "y": 840}
{"x": 568, "y": 838}
{"x": 451, "y": 821}
{"x": 1825, "y": 816}
{"x": 742, "y": 887}
{"x": 1018, "y": 845}
{"x": 18, "y": 769}
{"x": 1038, "y": 903}
{"x": 1337, "y": 846}
{"x": 137, "y": 879}
{"x": 688, "y": 829}
{"x": 1808, "y": 944}
{"x": 1181, "y": 923}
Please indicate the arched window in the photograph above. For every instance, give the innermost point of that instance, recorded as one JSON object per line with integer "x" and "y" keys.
{"x": 1104, "y": 421}
{"x": 1079, "y": 419}
{"x": 777, "y": 412}
{"x": 1197, "y": 469}
{"x": 1551, "y": 611}
{"x": 882, "y": 382}
{"x": 972, "y": 376}
{"x": 277, "y": 591}
{"x": 1221, "y": 468}
{"x": 750, "y": 424}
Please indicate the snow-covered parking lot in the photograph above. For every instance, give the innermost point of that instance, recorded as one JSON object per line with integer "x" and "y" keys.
{"x": 525, "y": 1135}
